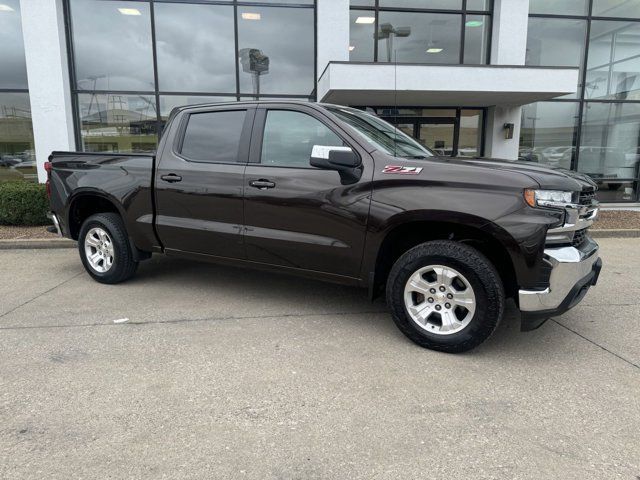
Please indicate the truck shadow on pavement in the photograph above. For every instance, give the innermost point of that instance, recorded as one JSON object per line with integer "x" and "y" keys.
{"x": 273, "y": 294}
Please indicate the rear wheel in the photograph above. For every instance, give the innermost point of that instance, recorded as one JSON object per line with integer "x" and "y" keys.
{"x": 105, "y": 250}
{"x": 445, "y": 296}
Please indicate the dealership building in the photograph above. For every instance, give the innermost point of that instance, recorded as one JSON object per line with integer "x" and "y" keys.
{"x": 553, "y": 82}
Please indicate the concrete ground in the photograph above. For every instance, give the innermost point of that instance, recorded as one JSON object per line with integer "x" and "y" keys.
{"x": 225, "y": 373}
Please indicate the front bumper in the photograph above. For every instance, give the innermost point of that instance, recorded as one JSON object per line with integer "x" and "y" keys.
{"x": 574, "y": 270}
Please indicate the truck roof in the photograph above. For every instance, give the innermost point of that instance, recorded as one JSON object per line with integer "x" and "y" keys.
{"x": 253, "y": 102}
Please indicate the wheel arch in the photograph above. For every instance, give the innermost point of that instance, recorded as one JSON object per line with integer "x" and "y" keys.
{"x": 87, "y": 202}
{"x": 407, "y": 231}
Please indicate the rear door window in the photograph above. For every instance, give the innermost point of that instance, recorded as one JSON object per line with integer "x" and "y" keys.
{"x": 213, "y": 137}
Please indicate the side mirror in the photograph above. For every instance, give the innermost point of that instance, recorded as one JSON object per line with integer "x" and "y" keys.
{"x": 342, "y": 159}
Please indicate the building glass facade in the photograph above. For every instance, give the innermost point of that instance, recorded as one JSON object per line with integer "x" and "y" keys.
{"x": 597, "y": 130}
{"x": 133, "y": 61}
{"x": 17, "y": 156}
{"x": 420, "y": 31}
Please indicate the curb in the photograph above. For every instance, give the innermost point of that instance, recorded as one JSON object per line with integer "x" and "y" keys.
{"x": 615, "y": 233}
{"x": 37, "y": 243}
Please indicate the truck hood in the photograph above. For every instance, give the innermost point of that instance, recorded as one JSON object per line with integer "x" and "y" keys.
{"x": 547, "y": 177}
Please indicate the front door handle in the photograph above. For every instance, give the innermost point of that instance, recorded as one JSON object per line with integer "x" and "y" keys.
{"x": 171, "y": 178}
{"x": 262, "y": 184}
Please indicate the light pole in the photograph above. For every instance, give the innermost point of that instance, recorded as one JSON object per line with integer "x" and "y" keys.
{"x": 388, "y": 32}
{"x": 256, "y": 63}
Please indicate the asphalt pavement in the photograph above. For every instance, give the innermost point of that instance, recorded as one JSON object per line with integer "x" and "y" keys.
{"x": 200, "y": 371}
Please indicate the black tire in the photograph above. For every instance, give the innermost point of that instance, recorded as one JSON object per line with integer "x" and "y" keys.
{"x": 124, "y": 266}
{"x": 481, "y": 275}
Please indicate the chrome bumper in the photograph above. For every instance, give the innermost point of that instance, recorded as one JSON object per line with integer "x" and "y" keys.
{"x": 54, "y": 218}
{"x": 570, "y": 265}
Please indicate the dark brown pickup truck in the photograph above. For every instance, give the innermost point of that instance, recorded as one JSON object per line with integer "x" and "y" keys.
{"x": 335, "y": 193}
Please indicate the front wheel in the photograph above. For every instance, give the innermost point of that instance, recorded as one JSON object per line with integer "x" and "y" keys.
{"x": 445, "y": 296}
{"x": 105, "y": 250}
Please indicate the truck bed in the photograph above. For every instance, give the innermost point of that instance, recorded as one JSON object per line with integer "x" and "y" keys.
{"x": 124, "y": 180}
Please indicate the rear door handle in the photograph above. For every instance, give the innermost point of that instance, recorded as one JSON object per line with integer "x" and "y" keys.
{"x": 171, "y": 178}
{"x": 262, "y": 184}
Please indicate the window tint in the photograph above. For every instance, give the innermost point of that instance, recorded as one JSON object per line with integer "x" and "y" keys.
{"x": 276, "y": 50}
{"x": 112, "y": 45}
{"x": 186, "y": 55}
{"x": 290, "y": 136}
{"x": 419, "y": 37}
{"x": 213, "y": 136}
{"x": 13, "y": 73}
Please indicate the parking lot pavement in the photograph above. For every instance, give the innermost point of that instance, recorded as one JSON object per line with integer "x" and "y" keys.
{"x": 225, "y": 373}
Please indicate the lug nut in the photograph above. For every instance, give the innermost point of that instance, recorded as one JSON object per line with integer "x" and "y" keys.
{"x": 442, "y": 289}
{"x": 449, "y": 296}
{"x": 432, "y": 290}
{"x": 438, "y": 307}
{"x": 430, "y": 299}
{"x": 447, "y": 305}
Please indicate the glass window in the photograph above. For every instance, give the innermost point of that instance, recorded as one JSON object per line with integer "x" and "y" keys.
{"x": 292, "y": 2}
{"x": 614, "y": 61}
{"x": 199, "y": 58}
{"x": 213, "y": 136}
{"x": 17, "y": 155}
{"x": 556, "y": 42}
{"x": 273, "y": 98}
{"x": 555, "y": 7}
{"x": 13, "y": 73}
{"x": 406, "y": 128}
{"x": 415, "y": 112}
{"x": 436, "y": 4}
{"x": 610, "y": 148}
{"x": 276, "y": 50}
{"x": 362, "y": 3}
{"x": 437, "y": 136}
{"x": 290, "y": 136}
{"x": 112, "y": 45}
{"x": 470, "y": 136}
{"x": 480, "y": 5}
{"x": 616, "y": 8}
{"x": 412, "y": 37}
{"x": 476, "y": 38}
{"x": 548, "y": 133}
{"x": 117, "y": 123}
{"x": 361, "y": 32}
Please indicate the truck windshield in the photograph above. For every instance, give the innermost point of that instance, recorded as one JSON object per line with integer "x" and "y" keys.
{"x": 381, "y": 134}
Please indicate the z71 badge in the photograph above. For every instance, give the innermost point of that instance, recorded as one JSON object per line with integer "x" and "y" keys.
{"x": 402, "y": 170}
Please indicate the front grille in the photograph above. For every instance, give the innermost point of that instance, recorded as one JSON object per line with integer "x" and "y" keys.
{"x": 587, "y": 197}
{"x": 579, "y": 237}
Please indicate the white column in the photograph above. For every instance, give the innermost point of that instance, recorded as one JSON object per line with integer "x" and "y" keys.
{"x": 509, "y": 34}
{"x": 48, "y": 76}
{"x": 508, "y": 47}
{"x": 496, "y": 145}
{"x": 332, "y": 32}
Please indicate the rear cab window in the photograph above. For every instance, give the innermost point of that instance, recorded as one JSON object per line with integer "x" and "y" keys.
{"x": 213, "y": 137}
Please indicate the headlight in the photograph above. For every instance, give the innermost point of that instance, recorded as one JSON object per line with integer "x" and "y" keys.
{"x": 547, "y": 198}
